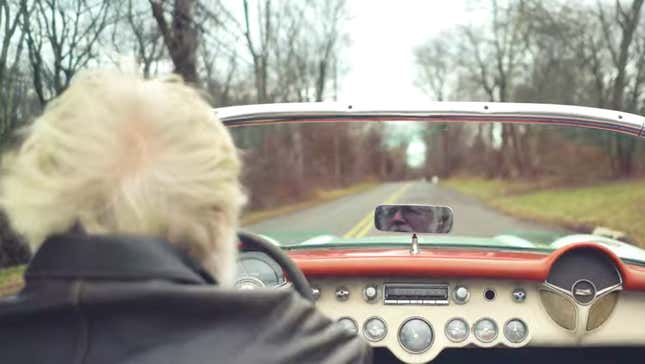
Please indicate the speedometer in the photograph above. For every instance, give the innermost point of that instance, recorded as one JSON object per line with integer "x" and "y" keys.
{"x": 248, "y": 283}
{"x": 256, "y": 269}
{"x": 415, "y": 335}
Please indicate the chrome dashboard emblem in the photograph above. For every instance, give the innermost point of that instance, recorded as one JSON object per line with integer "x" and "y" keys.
{"x": 583, "y": 291}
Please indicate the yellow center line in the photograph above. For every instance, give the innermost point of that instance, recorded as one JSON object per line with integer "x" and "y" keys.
{"x": 364, "y": 225}
{"x": 365, "y": 220}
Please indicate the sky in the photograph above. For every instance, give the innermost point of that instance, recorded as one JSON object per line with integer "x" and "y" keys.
{"x": 383, "y": 35}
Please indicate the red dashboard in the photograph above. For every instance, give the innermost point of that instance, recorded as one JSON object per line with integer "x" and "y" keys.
{"x": 465, "y": 263}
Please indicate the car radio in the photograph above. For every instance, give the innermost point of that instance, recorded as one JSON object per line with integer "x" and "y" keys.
{"x": 415, "y": 294}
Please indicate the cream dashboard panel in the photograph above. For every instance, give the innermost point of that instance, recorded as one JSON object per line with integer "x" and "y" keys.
{"x": 622, "y": 327}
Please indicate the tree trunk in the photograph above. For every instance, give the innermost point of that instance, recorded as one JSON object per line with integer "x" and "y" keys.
{"x": 180, "y": 37}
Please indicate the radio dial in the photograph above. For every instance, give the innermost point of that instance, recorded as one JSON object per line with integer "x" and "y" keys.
{"x": 370, "y": 293}
{"x": 461, "y": 294}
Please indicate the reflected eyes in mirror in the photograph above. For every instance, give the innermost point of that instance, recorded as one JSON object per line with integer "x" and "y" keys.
{"x": 413, "y": 218}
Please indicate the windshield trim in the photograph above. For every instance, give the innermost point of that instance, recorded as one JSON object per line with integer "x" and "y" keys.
{"x": 580, "y": 116}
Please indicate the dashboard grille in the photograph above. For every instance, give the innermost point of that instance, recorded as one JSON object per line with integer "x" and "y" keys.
{"x": 601, "y": 309}
{"x": 560, "y": 308}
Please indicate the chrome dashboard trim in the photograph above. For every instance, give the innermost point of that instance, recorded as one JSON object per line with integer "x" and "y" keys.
{"x": 569, "y": 294}
{"x": 616, "y": 287}
{"x": 594, "y": 294}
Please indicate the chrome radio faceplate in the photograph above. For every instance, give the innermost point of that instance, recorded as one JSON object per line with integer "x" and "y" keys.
{"x": 416, "y": 294}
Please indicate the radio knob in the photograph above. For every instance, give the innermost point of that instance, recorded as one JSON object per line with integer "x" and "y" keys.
{"x": 461, "y": 295}
{"x": 315, "y": 292}
{"x": 370, "y": 293}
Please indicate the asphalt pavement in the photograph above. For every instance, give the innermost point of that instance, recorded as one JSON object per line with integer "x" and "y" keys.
{"x": 352, "y": 216}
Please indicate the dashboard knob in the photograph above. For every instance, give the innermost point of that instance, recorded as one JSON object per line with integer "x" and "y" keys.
{"x": 461, "y": 295}
{"x": 315, "y": 292}
{"x": 342, "y": 293}
{"x": 519, "y": 295}
{"x": 370, "y": 293}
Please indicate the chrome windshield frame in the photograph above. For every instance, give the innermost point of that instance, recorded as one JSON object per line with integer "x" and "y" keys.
{"x": 443, "y": 112}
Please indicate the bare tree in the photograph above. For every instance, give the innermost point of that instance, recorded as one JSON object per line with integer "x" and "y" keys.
{"x": 12, "y": 82}
{"x": 61, "y": 38}
{"x": 180, "y": 36}
{"x": 137, "y": 34}
{"x": 259, "y": 47}
{"x": 619, "y": 35}
{"x": 493, "y": 58}
{"x": 330, "y": 15}
{"x": 434, "y": 65}
{"x": 294, "y": 47}
{"x": 9, "y": 24}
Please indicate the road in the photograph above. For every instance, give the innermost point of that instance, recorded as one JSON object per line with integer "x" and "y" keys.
{"x": 352, "y": 216}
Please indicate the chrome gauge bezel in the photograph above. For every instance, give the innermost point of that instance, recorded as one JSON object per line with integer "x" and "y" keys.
{"x": 474, "y": 330}
{"x": 358, "y": 329}
{"x": 445, "y": 329}
{"x": 258, "y": 283}
{"x": 266, "y": 259}
{"x": 398, "y": 334}
{"x": 526, "y": 327}
{"x": 364, "y": 331}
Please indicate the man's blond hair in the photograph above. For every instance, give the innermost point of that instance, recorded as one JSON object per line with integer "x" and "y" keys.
{"x": 119, "y": 154}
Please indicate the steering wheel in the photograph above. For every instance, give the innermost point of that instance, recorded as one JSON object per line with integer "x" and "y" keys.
{"x": 295, "y": 275}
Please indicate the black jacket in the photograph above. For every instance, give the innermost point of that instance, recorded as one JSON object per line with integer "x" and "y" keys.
{"x": 116, "y": 299}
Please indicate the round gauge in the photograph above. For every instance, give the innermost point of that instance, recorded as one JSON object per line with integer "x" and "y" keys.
{"x": 457, "y": 330}
{"x": 374, "y": 329}
{"x": 515, "y": 331}
{"x": 259, "y": 266}
{"x": 415, "y": 335}
{"x": 248, "y": 283}
{"x": 485, "y": 330}
{"x": 348, "y": 324}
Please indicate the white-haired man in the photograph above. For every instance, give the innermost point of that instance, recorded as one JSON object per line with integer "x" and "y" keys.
{"x": 129, "y": 188}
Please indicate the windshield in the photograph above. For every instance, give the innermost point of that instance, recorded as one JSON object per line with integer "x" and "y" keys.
{"x": 511, "y": 186}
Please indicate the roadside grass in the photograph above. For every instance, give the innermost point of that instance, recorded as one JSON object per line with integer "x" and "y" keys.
{"x": 11, "y": 280}
{"x": 317, "y": 198}
{"x": 616, "y": 205}
{"x": 487, "y": 189}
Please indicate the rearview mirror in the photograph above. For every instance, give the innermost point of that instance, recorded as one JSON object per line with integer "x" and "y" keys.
{"x": 413, "y": 218}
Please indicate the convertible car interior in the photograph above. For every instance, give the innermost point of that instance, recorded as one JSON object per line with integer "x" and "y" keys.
{"x": 420, "y": 299}
{"x": 501, "y": 305}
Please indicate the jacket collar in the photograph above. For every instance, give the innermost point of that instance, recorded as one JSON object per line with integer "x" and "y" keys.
{"x": 113, "y": 257}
